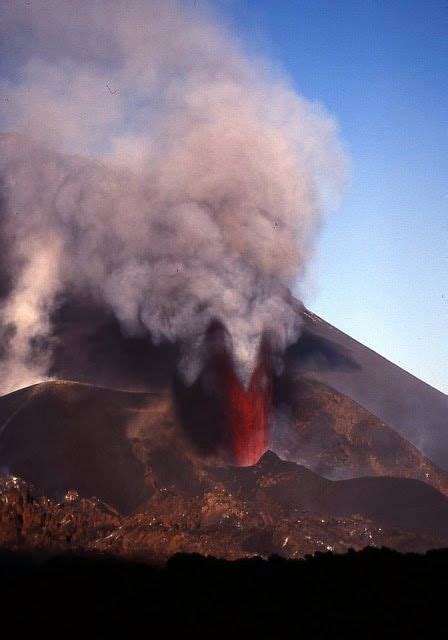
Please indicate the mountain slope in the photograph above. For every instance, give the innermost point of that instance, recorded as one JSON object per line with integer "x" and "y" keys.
{"x": 64, "y": 435}
{"x": 336, "y": 437}
{"x": 91, "y": 348}
{"x": 130, "y": 450}
{"x": 414, "y": 409}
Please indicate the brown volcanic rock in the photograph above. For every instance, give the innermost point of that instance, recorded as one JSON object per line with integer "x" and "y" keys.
{"x": 391, "y": 502}
{"x": 216, "y": 523}
{"x": 336, "y": 437}
{"x": 31, "y": 521}
{"x": 223, "y": 524}
{"x": 131, "y": 451}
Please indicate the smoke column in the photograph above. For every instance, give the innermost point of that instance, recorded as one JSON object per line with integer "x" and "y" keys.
{"x": 146, "y": 161}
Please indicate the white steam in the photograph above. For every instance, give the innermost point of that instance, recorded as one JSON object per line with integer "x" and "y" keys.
{"x": 150, "y": 164}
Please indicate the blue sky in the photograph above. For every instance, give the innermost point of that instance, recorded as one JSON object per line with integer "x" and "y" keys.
{"x": 381, "y": 68}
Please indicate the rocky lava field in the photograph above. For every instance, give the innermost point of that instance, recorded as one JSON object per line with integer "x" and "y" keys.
{"x": 91, "y": 469}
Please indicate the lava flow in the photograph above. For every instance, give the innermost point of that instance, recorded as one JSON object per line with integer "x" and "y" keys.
{"x": 248, "y": 412}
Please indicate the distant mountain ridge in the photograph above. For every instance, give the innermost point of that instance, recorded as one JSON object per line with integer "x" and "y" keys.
{"x": 337, "y": 438}
{"x": 411, "y": 407}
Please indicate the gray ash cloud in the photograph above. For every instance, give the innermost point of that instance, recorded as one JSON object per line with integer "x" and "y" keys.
{"x": 149, "y": 162}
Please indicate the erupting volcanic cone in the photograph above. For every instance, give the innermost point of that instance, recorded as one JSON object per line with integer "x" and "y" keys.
{"x": 221, "y": 415}
{"x": 248, "y": 412}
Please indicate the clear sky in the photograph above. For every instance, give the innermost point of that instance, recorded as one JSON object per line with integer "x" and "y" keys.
{"x": 381, "y": 68}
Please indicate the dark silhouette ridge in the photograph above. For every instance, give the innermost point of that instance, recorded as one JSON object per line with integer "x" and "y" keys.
{"x": 369, "y": 594}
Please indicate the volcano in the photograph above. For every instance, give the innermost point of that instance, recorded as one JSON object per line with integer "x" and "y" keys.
{"x": 167, "y": 467}
{"x": 221, "y": 413}
{"x": 90, "y": 348}
{"x": 119, "y": 472}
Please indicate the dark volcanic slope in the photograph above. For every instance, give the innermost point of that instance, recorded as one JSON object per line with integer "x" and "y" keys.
{"x": 336, "y": 437}
{"x": 90, "y": 348}
{"x": 408, "y": 405}
{"x": 130, "y": 451}
{"x": 64, "y": 435}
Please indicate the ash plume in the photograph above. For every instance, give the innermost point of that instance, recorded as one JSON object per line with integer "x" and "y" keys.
{"x": 151, "y": 164}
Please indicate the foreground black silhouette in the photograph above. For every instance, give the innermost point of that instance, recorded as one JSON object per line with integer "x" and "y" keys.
{"x": 374, "y": 593}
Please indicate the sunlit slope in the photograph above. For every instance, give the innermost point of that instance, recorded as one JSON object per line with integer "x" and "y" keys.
{"x": 417, "y": 411}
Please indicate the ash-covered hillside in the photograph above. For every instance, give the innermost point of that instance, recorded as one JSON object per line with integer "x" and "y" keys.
{"x": 89, "y": 347}
{"x": 119, "y": 472}
{"x": 414, "y": 409}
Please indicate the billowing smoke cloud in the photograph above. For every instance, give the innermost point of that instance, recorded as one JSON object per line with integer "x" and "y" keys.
{"x": 148, "y": 162}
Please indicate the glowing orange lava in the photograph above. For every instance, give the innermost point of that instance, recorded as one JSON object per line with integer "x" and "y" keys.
{"x": 249, "y": 413}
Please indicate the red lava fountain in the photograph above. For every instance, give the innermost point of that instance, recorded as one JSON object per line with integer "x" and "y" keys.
{"x": 248, "y": 412}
